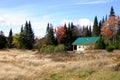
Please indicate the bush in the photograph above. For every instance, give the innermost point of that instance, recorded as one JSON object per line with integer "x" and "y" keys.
{"x": 59, "y": 48}
{"x": 47, "y": 49}
{"x": 100, "y": 44}
{"x": 110, "y": 48}
{"x": 52, "y": 49}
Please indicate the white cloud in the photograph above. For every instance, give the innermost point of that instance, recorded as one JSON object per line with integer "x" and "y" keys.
{"x": 80, "y": 22}
{"x": 39, "y": 28}
{"x": 15, "y": 18}
{"x": 85, "y": 22}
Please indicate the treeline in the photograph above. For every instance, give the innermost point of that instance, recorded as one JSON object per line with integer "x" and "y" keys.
{"x": 61, "y": 37}
{"x": 23, "y": 40}
{"x": 108, "y": 29}
{"x": 66, "y": 34}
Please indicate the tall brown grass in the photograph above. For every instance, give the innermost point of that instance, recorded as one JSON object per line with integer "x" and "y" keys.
{"x": 27, "y": 65}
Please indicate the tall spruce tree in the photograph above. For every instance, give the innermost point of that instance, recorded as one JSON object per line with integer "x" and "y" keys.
{"x": 90, "y": 31}
{"x": 106, "y": 18}
{"x": 95, "y": 27}
{"x": 70, "y": 35}
{"x": 3, "y": 40}
{"x": 21, "y": 38}
{"x": 112, "y": 13}
{"x": 64, "y": 40}
{"x": 31, "y": 36}
{"x": 86, "y": 32}
{"x": 103, "y": 20}
{"x": 48, "y": 25}
{"x": 100, "y": 43}
{"x": 21, "y": 29}
{"x": 27, "y": 36}
{"x": 99, "y": 27}
{"x": 117, "y": 44}
{"x": 50, "y": 35}
{"x": 10, "y": 39}
{"x": 74, "y": 35}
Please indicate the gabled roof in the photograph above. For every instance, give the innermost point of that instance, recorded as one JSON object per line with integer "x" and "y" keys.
{"x": 85, "y": 40}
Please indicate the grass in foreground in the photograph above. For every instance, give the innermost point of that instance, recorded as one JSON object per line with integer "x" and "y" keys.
{"x": 27, "y": 65}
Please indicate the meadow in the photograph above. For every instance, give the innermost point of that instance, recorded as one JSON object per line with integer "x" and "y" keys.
{"x": 32, "y": 65}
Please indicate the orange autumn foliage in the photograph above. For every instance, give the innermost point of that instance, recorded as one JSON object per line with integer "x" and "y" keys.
{"x": 60, "y": 33}
{"x": 109, "y": 27}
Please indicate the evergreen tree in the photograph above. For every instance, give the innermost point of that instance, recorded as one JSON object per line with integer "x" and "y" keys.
{"x": 99, "y": 27}
{"x": 71, "y": 35}
{"x": 73, "y": 31}
{"x": 112, "y": 13}
{"x": 95, "y": 27}
{"x": 83, "y": 31}
{"x": 26, "y": 38}
{"x": 50, "y": 35}
{"x": 90, "y": 32}
{"x": 64, "y": 40}
{"x": 22, "y": 29}
{"x": 10, "y": 39}
{"x": 86, "y": 32}
{"x": 100, "y": 44}
{"x": 3, "y": 40}
{"x": 47, "y": 28}
{"x": 21, "y": 38}
{"x": 117, "y": 44}
{"x": 31, "y": 36}
{"x": 106, "y": 18}
{"x": 103, "y": 20}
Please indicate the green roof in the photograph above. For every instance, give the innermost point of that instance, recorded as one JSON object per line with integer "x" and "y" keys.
{"x": 85, "y": 40}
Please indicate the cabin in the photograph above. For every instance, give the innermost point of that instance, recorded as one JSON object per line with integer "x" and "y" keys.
{"x": 83, "y": 43}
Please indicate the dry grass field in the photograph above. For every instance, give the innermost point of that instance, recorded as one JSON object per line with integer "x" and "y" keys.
{"x": 88, "y": 65}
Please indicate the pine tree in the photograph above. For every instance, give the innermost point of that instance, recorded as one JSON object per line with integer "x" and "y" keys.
{"x": 100, "y": 44}
{"x": 83, "y": 31}
{"x": 50, "y": 35}
{"x": 106, "y": 18}
{"x": 74, "y": 34}
{"x": 21, "y": 39}
{"x": 64, "y": 40}
{"x": 95, "y": 27}
{"x": 86, "y": 32}
{"x": 31, "y": 36}
{"x": 25, "y": 35}
{"x": 99, "y": 27}
{"x": 117, "y": 44}
{"x": 22, "y": 29}
{"x": 112, "y": 13}
{"x": 68, "y": 40}
{"x": 103, "y": 20}
{"x": 10, "y": 39}
{"x": 26, "y": 38}
{"x": 90, "y": 32}
{"x": 3, "y": 40}
{"x": 47, "y": 28}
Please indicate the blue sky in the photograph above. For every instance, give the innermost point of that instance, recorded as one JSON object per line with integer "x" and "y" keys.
{"x": 14, "y": 13}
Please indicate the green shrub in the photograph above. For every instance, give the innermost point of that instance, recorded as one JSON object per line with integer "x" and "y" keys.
{"x": 52, "y": 49}
{"x": 59, "y": 48}
{"x": 110, "y": 48}
{"x": 47, "y": 49}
